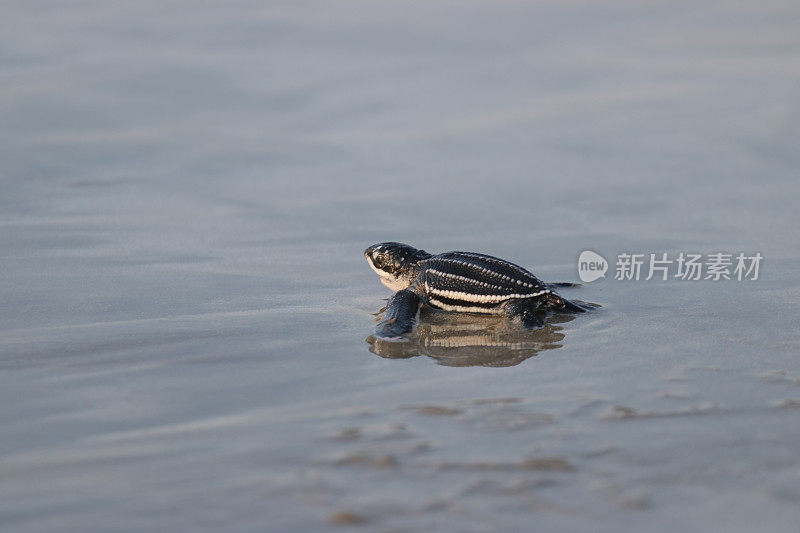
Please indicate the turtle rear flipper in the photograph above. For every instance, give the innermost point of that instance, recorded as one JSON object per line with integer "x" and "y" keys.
{"x": 524, "y": 313}
{"x": 556, "y": 304}
{"x": 562, "y": 285}
{"x": 401, "y": 316}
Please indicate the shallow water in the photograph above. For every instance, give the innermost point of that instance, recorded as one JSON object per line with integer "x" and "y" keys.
{"x": 186, "y": 194}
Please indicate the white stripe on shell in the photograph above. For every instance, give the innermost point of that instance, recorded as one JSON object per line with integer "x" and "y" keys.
{"x": 496, "y": 261}
{"x": 464, "y": 279}
{"x": 480, "y": 298}
{"x": 466, "y": 309}
{"x": 489, "y": 272}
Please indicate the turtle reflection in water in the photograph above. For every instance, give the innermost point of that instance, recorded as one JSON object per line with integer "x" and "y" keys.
{"x": 469, "y": 340}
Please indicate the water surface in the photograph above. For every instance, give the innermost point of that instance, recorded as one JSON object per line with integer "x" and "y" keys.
{"x": 187, "y": 190}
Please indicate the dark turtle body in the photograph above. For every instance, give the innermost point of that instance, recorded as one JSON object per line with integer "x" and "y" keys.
{"x": 460, "y": 281}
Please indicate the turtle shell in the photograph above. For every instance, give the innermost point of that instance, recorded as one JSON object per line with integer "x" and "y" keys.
{"x": 465, "y": 281}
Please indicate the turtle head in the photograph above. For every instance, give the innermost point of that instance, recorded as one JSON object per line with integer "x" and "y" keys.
{"x": 394, "y": 263}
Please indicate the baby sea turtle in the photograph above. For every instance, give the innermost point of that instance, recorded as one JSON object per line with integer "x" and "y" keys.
{"x": 460, "y": 281}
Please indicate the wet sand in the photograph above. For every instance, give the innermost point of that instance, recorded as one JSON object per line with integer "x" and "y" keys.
{"x": 186, "y": 194}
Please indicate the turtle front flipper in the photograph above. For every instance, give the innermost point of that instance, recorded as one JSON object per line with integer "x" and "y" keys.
{"x": 400, "y": 317}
